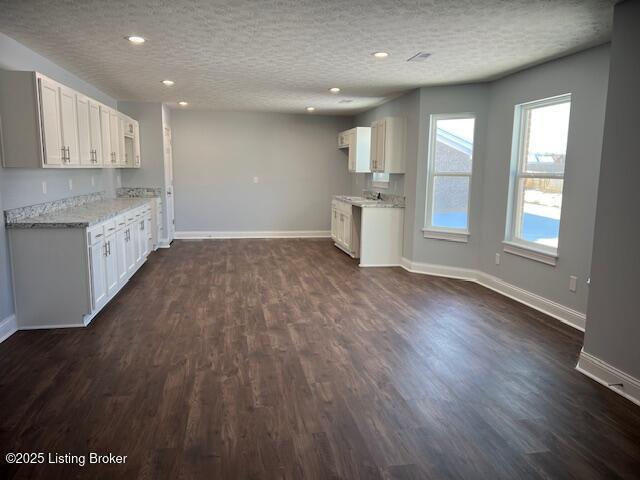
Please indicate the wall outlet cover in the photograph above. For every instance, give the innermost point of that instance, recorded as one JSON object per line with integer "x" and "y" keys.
{"x": 70, "y": 184}
{"x": 44, "y": 187}
{"x": 573, "y": 283}
{"x": 497, "y": 259}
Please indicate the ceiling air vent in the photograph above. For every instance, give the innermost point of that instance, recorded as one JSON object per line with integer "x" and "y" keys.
{"x": 346, "y": 100}
{"x": 419, "y": 57}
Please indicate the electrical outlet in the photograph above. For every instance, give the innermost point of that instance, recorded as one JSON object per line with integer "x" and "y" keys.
{"x": 573, "y": 283}
{"x": 93, "y": 181}
{"x": 44, "y": 187}
{"x": 256, "y": 180}
{"x": 70, "y": 184}
{"x": 497, "y": 259}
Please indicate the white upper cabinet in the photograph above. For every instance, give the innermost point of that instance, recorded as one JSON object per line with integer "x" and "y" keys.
{"x": 69, "y": 122}
{"x": 114, "y": 135}
{"x": 105, "y": 135}
{"x": 358, "y": 142}
{"x": 48, "y": 125}
{"x": 84, "y": 131}
{"x": 54, "y": 153}
{"x": 95, "y": 133}
{"x": 388, "y": 138}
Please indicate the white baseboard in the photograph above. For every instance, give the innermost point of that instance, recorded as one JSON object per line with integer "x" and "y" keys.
{"x": 8, "y": 326}
{"x": 566, "y": 315}
{"x": 609, "y": 376}
{"x": 163, "y": 243}
{"x": 201, "y": 235}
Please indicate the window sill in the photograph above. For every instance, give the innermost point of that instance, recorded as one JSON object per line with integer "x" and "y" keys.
{"x": 459, "y": 237}
{"x": 530, "y": 253}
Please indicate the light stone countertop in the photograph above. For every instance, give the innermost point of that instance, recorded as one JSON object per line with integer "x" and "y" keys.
{"x": 81, "y": 216}
{"x": 368, "y": 203}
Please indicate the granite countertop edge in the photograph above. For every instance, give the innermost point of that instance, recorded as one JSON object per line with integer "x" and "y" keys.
{"x": 98, "y": 217}
{"x": 368, "y": 203}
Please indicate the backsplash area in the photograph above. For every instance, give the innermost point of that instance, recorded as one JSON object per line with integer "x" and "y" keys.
{"x": 19, "y": 213}
{"x": 139, "y": 192}
{"x": 364, "y": 181}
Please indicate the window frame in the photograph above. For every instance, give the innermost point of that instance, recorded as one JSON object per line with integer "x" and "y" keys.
{"x": 513, "y": 241}
{"x": 430, "y": 230}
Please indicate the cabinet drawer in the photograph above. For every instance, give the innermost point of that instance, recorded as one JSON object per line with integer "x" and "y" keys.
{"x": 121, "y": 221}
{"x": 95, "y": 233}
{"x": 109, "y": 227}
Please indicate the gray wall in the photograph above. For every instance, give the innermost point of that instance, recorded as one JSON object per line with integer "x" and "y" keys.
{"x": 585, "y": 76}
{"x": 439, "y": 100}
{"x": 20, "y": 187}
{"x": 217, "y": 154}
{"x": 613, "y": 329}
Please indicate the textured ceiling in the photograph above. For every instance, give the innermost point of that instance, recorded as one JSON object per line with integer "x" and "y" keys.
{"x": 282, "y": 55}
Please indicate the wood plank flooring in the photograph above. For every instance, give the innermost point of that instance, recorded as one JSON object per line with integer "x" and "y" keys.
{"x": 282, "y": 359}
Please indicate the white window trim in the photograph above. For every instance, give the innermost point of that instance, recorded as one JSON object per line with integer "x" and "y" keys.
{"x": 512, "y": 243}
{"x": 460, "y": 235}
{"x": 527, "y": 251}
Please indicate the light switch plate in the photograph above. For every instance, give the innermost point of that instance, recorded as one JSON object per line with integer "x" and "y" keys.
{"x": 256, "y": 180}
{"x": 497, "y": 259}
{"x": 44, "y": 187}
{"x": 70, "y": 184}
{"x": 93, "y": 181}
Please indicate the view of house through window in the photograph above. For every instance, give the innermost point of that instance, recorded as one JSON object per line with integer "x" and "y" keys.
{"x": 449, "y": 164}
{"x": 540, "y": 146}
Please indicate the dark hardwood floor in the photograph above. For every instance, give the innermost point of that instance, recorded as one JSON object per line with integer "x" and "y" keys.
{"x": 282, "y": 359}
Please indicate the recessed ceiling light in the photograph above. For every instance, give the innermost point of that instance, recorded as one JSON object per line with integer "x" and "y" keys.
{"x": 311, "y": 109}
{"x": 381, "y": 54}
{"x": 135, "y": 39}
{"x": 168, "y": 83}
{"x": 183, "y": 103}
{"x": 334, "y": 90}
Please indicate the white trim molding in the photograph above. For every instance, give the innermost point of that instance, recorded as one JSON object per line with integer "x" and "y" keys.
{"x": 566, "y": 315}
{"x": 8, "y": 326}
{"x": 620, "y": 382}
{"x": 530, "y": 253}
{"x": 451, "y": 236}
{"x": 202, "y": 235}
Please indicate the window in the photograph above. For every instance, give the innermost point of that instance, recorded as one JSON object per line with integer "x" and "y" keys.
{"x": 380, "y": 179}
{"x": 449, "y": 165}
{"x": 538, "y": 156}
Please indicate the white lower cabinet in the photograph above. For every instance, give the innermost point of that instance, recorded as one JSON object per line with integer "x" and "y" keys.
{"x": 111, "y": 263}
{"x": 64, "y": 276}
{"x": 98, "y": 267}
{"x": 342, "y": 226}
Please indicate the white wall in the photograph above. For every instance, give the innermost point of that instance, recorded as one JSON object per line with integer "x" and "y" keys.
{"x": 20, "y": 187}
{"x": 216, "y": 155}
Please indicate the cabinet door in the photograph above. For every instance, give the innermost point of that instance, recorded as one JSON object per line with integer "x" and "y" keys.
{"x": 50, "y": 112}
{"x": 136, "y": 144}
{"x": 353, "y": 150}
{"x": 105, "y": 135}
{"x": 85, "y": 152}
{"x": 334, "y": 222}
{"x": 69, "y": 122}
{"x": 380, "y": 146}
{"x": 114, "y": 137}
{"x": 122, "y": 158}
{"x": 95, "y": 133}
{"x": 131, "y": 248}
{"x": 121, "y": 255}
{"x": 135, "y": 235}
{"x": 97, "y": 254}
{"x": 111, "y": 261}
{"x": 148, "y": 225}
{"x": 346, "y": 233}
{"x": 143, "y": 240}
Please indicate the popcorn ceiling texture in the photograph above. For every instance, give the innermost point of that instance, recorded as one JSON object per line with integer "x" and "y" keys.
{"x": 282, "y": 55}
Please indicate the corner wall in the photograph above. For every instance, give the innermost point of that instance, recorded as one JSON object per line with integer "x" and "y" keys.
{"x": 613, "y": 321}
{"x": 583, "y": 74}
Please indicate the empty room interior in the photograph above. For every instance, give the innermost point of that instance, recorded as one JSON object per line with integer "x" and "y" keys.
{"x": 303, "y": 239}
